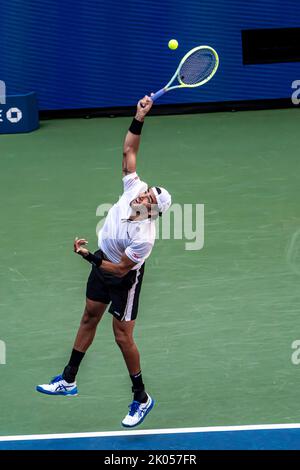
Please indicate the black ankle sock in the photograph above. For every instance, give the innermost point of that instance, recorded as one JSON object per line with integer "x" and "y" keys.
{"x": 76, "y": 358}
{"x": 69, "y": 374}
{"x": 138, "y": 388}
{"x": 70, "y": 371}
{"x": 142, "y": 397}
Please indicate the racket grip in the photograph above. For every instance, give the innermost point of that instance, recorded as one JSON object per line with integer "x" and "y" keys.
{"x": 158, "y": 94}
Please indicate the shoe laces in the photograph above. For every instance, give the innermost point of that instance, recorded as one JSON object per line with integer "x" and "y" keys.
{"x": 55, "y": 379}
{"x": 134, "y": 407}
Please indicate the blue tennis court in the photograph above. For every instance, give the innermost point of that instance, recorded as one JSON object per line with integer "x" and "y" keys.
{"x": 268, "y": 437}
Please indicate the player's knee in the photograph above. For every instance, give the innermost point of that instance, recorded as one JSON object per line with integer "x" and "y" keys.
{"x": 91, "y": 316}
{"x": 123, "y": 340}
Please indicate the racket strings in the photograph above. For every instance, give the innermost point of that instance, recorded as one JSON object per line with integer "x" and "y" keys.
{"x": 197, "y": 67}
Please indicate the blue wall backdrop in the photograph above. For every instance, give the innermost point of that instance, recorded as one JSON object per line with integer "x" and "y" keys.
{"x": 104, "y": 53}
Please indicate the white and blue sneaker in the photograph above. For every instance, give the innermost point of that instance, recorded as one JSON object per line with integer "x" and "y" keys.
{"x": 137, "y": 412}
{"x": 58, "y": 386}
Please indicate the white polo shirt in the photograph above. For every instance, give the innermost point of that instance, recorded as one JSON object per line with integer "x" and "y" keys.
{"x": 120, "y": 235}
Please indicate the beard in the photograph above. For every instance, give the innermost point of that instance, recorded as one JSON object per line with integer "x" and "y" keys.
{"x": 139, "y": 210}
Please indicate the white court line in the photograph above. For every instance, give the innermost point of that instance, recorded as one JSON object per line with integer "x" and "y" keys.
{"x": 251, "y": 427}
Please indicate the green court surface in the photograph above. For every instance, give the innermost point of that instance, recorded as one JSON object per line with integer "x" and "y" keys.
{"x": 215, "y": 326}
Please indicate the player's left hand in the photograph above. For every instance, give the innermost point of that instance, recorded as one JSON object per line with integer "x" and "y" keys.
{"x": 79, "y": 246}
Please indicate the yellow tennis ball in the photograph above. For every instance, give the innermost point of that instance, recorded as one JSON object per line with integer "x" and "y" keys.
{"x": 173, "y": 44}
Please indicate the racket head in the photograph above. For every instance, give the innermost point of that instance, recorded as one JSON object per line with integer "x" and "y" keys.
{"x": 198, "y": 66}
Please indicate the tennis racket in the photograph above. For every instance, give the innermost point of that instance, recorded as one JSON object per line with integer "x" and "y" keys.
{"x": 197, "y": 67}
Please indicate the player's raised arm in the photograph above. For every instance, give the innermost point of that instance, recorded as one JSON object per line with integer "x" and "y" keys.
{"x": 132, "y": 139}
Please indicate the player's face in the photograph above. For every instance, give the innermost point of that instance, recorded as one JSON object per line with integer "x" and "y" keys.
{"x": 146, "y": 199}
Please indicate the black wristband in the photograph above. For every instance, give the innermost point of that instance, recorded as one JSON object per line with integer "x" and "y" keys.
{"x": 136, "y": 126}
{"x": 93, "y": 259}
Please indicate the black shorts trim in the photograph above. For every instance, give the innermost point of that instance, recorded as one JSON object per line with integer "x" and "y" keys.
{"x": 122, "y": 293}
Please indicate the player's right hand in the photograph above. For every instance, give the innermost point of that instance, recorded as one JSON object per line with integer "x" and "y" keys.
{"x": 144, "y": 106}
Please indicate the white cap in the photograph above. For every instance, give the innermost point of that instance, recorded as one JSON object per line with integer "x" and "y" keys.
{"x": 163, "y": 198}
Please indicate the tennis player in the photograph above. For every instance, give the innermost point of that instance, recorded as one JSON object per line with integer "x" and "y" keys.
{"x": 125, "y": 242}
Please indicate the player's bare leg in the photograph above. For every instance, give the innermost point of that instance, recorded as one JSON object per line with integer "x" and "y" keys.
{"x": 92, "y": 314}
{"x": 123, "y": 331}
